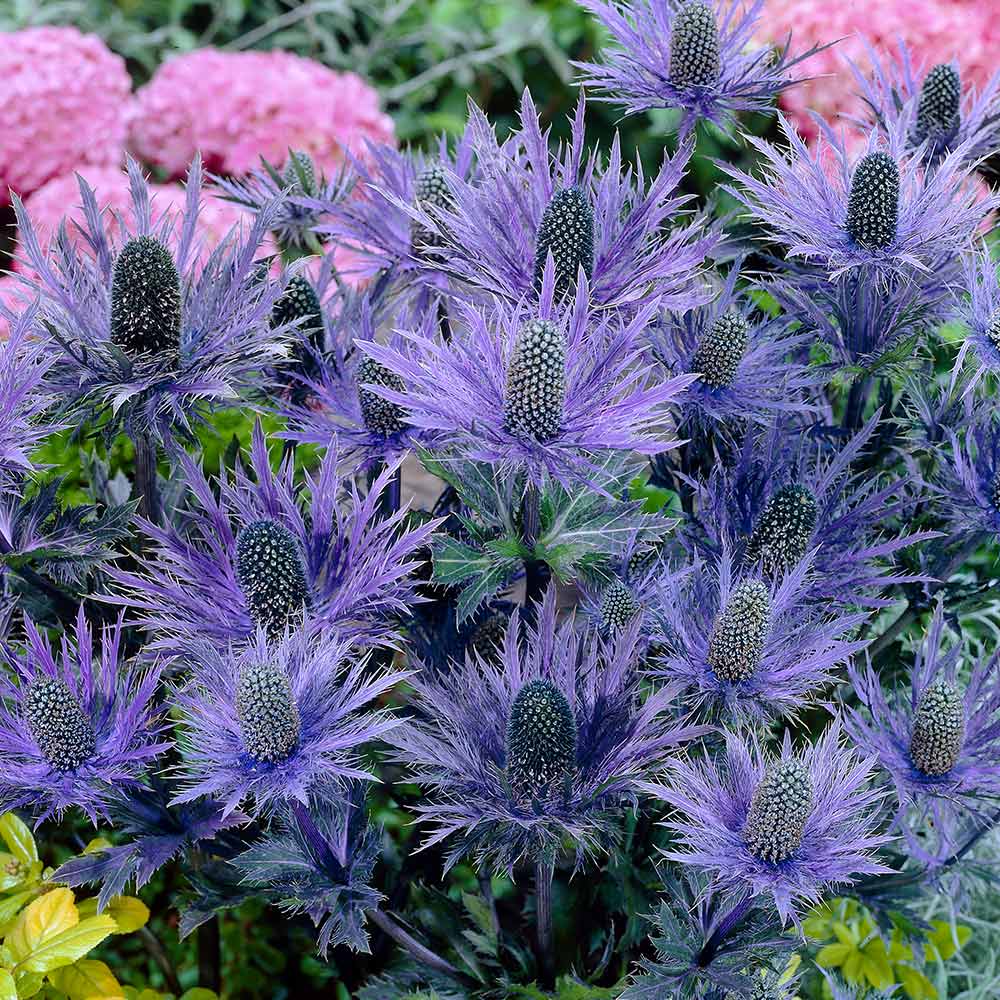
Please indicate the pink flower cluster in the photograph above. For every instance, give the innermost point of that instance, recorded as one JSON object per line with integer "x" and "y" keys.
{"x": 238, "y": 106}
{"x": 935, "y": 30}
{"x": 66, "y": 101}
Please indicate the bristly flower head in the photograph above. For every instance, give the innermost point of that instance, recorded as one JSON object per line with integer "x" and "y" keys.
{"x": 544, "y": 744}
{"x": 930, "y": 105}
{"x": 261, "y": 553}
{"x": 76, "y": 728}
{"x": 746, "y": 648}
{"x": 319, "y": 862}
{"x": 967, "y": 483}
{"x": 535, "y": 388}
{"x": 750, "y": 365}
{"x": 529, "y": 203}
{"x": 880, "y": 213}
{"x": 788, "y": 827}
{"x": 980, "y": 313}
{"x": 940, "y": 739}
{"x": 278, "y": 722}
{"x": 142, "y": 335}
{"x": 687, "y": 54}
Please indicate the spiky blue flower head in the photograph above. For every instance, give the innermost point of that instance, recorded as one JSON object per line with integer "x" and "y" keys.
{"x": 543, "y": 745}
{"x": 879, "y": 213}
{"x": 339, "y": 395}
{"x": 318, "y": 861}
{"x": 786, "y": 827}
{"x": 786, "y": 496}
{"x": 979, "y": 355}
{"x": 693, "y": 55}
{"x": 300, "y": 196}
{"x": 967, "y": 481}
{"x": 749, "y": 649}
{"x": 77, "y": 726}
{"x": 279, "y": 721}
{"x": 938, "y": 740}
{"x": 930, "y": 105}
{"x": 530, "y": 202}
{"x": 533, "y": 388}
{"x": 143, "y": 336}
{"x": 750, "y": 366}
{"x": 261, "y": 550}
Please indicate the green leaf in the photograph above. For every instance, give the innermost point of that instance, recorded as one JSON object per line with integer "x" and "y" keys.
{"x": 45, "y": 918}
{"x": 8, "y": 991}
{"x": 69, "y": 945}
{"x": 456, "y": 562}
{"x": 127, "y": 912}
{"x": 944, "y": 940}
{"x": 87, "y": 979}
{"x": 199, "y": 993}
{"x": 916, "y": 985}
{"x": 18, "y": 839}
{"x": 834, "y": 955}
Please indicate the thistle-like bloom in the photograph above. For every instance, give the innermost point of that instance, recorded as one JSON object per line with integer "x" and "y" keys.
{"x": 319, "y": 862}
{"x": 78, "y": 727}
{"x": 278, "y": 722}
{"x": 528, "y": 203}
{"x": 750, "y": 366}
{"x": 980, "y": 313}
{"x": 289, "y": 196}
{"x": 930, "y": 105}
{"x": 782, "y": 499}
{"x": 142, "y": 335}
{"x": 695, "y": 56}
{"x": 535, "y": 388}
{"x": 748, "y": 648}
{"x": 260, "y": 553}
{"x": 788, "y": 827}
{"x": 939, "y": 741}
{"x": 544, "y": 745}
{"x": 881, "y": 213}
{"x": 968, "y": 479}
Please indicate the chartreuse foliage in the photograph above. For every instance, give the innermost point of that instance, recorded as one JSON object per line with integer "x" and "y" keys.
{"x": 853, "y": 947}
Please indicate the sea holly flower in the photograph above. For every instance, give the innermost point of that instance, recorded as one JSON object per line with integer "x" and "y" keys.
{"x": 747, "y": 648}
{"x": 279, "y": 721}
{"x": 685, "y": 54}
{"x": 967, "y": 484}
{"x": 930, "y": 105}
{"x": 544, "y": 745}
{"x": 788, "y": 827}
{"x": 787, "y": 495}
{"x": 938, "y": 740}
{"x": 980, "y": 314}
{"x": 535, "y": 389}
{"x": 528, "y": 202}
{"x": 749, "y": 364}
{"x": 142, "y": 335}
{"x": 261, "y": 553}
{"x": 77, "y": 725}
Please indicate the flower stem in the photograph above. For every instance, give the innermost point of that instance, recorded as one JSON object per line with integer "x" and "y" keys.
{"x": 147, "y": 489}
{"x": 486, "y": 888}
{"x": 209, "y": 955}
{"x": 404, "y": 939}
{"x": 536, "y": 573}
{"x": 724, "y": 929}
{"x": 543, "y": 920}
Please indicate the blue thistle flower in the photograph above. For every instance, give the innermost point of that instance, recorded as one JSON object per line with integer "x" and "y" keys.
{"x": 786, "y": 827}
{"x": 967, "y": 482}
{"x": 277, "y": 722}
{"x": 980, "y": 313}
{"x": 330, "y": 552}
{"x": 686, "y": 54}
{"x": 76, "y": 729}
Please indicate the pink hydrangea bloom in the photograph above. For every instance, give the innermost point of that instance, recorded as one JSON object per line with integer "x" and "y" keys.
{"x": 238, "y": 106}
{"x": 66, "y": 100}
{"x": 935, "y": 30}
{"x": 61, "y": 198}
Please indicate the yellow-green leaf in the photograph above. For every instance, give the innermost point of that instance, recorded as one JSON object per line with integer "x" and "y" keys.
{"x": 18, "y": 839}
{"x": 87, "y": 979}
{"x": 8, "y": 991}
{"x": 11, "y": 906}
{"x": 916, "y": 984}
{"x": 69, "y": 945}
{"x": 199, "y": 993}
{"x": 96, "y": 845}
{"x": 846, "y": 934}
{"x": 45, "y": 918}
{"x": 834, "y": 955}
{"x": 127, "y": 912}
{"x": 945, "y": 940}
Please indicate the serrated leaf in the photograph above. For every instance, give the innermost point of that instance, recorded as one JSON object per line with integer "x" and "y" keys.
{"x": 455, "y": 562}
{"x": 42, "y": 920}
{"x": 69, "y": 945}
{"x": 87, "y": 979}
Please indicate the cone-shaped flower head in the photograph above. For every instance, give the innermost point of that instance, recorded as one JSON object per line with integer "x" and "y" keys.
{"x": 995, "y": 491}
{"x": 694, "y": 47}
{"x": 938, "y": 729}
{"x": 736, "y": 645}
{"x": 778, "y": 812}
{"x": 721, "y": 350}
{"x": 939, "y": 111}
{"x": 299, "y": 301}
{"x": 536, "y": 381}
{"x": 541, "y": 739}
{"x": 58, "y": 724}
{"x": 488, "y": 636}
{"x": 619, "y": 606}
{"x": 783, "y": 529}
{"x": 266, "y": 709}
{"x": 380, "y": 416}
{"x": 993, "y": 330}
{"x": 300, "y": 173}
{"x": 270, "y": 573}
{"x": 567, "y": 232}
{"x": 430, "y": 192}
{"x": 873, "y": 202}
{"x": 146, "y": 299}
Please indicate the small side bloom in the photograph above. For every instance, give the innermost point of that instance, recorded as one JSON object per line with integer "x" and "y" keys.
{"x": 980, "y": 314}
{"x": 967, "y": 484}
{"x": 77, "y": 726}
